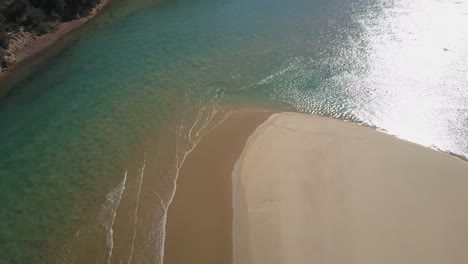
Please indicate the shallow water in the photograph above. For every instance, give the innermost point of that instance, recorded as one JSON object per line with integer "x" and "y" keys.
{"x": 128, "y": 87}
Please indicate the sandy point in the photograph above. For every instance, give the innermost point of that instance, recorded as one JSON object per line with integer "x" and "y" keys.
{"x": 305, "y": 189}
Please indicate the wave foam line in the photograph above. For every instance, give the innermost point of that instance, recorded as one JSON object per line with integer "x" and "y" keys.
{"x": 111, "y": 230}
{"x": 228, "y": 114}
{"x": 194, "y": 125}
{"x": 180, "y": 162}
{"x": 136, "y": 209}
{"x": 211, "y": 115}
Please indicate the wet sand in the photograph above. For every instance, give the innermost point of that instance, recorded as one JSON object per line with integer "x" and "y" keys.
{"x": 199, "y": 223}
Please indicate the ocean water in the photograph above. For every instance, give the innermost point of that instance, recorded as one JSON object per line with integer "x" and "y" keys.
{"x": 94, "y": 132}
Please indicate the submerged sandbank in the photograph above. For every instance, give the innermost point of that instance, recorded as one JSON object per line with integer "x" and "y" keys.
{"x": 316, "y": 190}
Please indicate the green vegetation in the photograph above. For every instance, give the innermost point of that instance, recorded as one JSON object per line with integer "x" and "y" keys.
{"x": 3, "y": 31}
{"x": 3, "y": 38}
{"x": 38, "y": 16}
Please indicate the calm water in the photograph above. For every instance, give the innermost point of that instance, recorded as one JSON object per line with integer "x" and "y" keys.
{"x": 90, "y": 126}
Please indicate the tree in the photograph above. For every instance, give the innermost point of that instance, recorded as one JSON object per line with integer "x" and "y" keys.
{"x": 38, "y": 16}
{"x": 15, "y": 11}
{"x": 3, "y": 34}
{"x": 36, "y": 20}
{"x": 50, "y": 7}
{"x": 3, "y": 38}
{"x": 3, "y": 62}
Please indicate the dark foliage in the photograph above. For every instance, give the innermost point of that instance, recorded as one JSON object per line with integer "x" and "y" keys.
{"x": 3, "y": 34}
{"x": 2, "y": 60}
{"x": 36, "y": 21}
{"x": 38, "y": 16}
{"x": 3, "y": 39}
{"x": 14, "y": 11}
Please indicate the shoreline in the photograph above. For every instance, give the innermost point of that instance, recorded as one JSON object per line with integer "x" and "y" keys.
{"x": 26, "y": 46}
{"x": 199, "y": 219}
{"x": 352, "y": 194}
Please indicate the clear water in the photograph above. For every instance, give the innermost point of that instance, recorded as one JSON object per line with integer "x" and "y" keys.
{"x": 134, "y": 80}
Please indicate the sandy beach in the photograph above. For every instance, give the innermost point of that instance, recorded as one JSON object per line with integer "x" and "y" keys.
{"x": 310, "y": 189}
{"x": 199, "y": 225}
{"x": 317, "y": 190}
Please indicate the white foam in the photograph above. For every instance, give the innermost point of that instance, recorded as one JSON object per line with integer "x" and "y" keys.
{"x": 105, "y": 218}
{"x": 142, "y": 173}
{"x": 193, "y": 138}
{"x": 110, "y": 230}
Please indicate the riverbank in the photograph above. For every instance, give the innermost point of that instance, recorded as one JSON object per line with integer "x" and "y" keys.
{"x": 309, "y": 189}
{"x": 25, "y": 45}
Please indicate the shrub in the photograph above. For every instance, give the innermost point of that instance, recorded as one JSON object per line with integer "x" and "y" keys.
{"x": 3, "y": 62}
{"x": 3, "y": 34}
{"x": 34, "y": 17}
{"x": 38, "y": 15}
{"x": 16, "y": 9}
{"x": 36, "y": 20}
{"x": 50, "y": 7}
{"x": 3, "y": 39}
{"x": 76, "y": 8}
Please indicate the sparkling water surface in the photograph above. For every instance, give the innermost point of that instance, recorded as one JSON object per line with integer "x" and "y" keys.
{"x": 125, "y": 91}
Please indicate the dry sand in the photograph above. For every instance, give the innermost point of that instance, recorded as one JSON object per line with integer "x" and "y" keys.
{"x": 315, "y": 190}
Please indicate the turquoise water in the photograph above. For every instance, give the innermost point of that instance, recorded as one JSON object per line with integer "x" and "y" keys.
{"x": 127, "y": 87}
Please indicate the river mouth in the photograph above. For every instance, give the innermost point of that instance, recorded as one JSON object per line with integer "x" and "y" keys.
{"x": 128, "y": 87}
